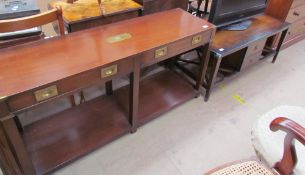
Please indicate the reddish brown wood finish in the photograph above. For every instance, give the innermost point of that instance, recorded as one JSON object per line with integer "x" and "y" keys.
{"x": 279, "y": 8}
{"x": 18, "y": 41}
{"x": 294, "y": 131}
{"x": 70, "y": 84}
{"x": 57, "y": 62}
{"x": 62, "y": 138}
{"x": 291, "y": 11}
{"x": 170, "y": 90}
{"x": 58, "y": 52}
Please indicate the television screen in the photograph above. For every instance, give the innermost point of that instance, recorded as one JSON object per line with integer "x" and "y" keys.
{"x": 224, "y": 12}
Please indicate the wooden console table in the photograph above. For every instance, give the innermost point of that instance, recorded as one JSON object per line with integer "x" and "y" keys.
{"x": 84, "y": 14}
{"x": 59, "y": 68}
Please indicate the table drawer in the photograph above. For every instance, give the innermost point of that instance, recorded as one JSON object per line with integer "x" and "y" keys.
{"x": 297, "y": 3}
{"x": 250, "y": 60}
{"x": 256, "y": 47}
{"x": 296, "y": 14}
{"x": 167, "y": 51}
{"x": 70, "y": 84}
{"x": 296, "y": 29}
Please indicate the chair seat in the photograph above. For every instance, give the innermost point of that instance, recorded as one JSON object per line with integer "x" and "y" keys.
{"x": 244, "y": 168}
{"x": 270, "y": 145}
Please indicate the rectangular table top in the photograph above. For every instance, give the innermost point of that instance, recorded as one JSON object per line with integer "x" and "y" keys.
{"x": 32, "y": 65}
{"x": 89, "y": 9}
{"x": 228, "y": 42}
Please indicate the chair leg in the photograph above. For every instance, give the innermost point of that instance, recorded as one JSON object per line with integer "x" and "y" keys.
{"x": 206, "y": 7}
{"x": 215, "y": 67}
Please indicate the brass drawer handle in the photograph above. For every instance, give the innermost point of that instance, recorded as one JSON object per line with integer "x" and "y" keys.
{"x": 161, "y": 52}
{"x": 197, "y": 39}
{"x": 3, "y": 98}
{"x": 109, "y": 71}
{"x": 46, "y": 93}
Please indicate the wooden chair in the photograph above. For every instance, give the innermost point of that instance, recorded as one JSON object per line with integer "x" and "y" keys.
{"x": 196, "y": 8}
{"x": 285, "y": 166}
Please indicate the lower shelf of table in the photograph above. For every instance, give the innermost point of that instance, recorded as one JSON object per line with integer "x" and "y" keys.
{"x": 62, "y": 138}
{"x": 158, "y": 94}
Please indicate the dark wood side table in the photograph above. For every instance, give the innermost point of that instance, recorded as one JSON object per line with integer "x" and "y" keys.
{"x": 114, "y": 51}
{"x": 255, "y": 43}
{"x": 84, "y": 14}
{"x": 241, "y": 49}
{"x": 153, "y": 6}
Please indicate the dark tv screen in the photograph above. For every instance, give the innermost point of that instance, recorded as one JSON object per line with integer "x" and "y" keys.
{"x": 224, "y": 12}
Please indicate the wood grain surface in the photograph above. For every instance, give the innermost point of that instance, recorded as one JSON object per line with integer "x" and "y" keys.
{"x": 33, "y": 65}
{"x": 83, "y": 9}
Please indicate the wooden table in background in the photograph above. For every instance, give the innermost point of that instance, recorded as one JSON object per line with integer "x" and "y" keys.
{"x": 154, "y": 6}
{"x": 102, "y": 54}
{"x": 84, "y": 14}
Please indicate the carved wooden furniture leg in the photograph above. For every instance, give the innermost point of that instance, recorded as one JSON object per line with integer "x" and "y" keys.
{"x": 213, "y": 73}
{"x": 278, "y": 48}
{"x": 294, "y": 132}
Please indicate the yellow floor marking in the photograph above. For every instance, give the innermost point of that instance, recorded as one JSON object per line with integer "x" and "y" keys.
{"x": 239, "y": 99}
{"x": 222, "y": 86}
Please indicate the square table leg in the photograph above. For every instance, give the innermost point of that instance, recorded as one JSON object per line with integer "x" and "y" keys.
{"x": 212, "y": 76}
{"x": 278, "y": 48}
{"x": 204, "y": 62}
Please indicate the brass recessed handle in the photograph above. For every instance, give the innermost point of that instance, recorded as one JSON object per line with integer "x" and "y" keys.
{"x": 119, "y": 38}
{"x": 46, "y": 93}
{"x": 197, "y": 39}
{"x": 2, "y": 98}
{"x": 161, "y": 52}
{"x": 109, "y": 71}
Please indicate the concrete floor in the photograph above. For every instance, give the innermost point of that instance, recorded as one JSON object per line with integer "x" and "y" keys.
{"x": 199, "y": 136}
